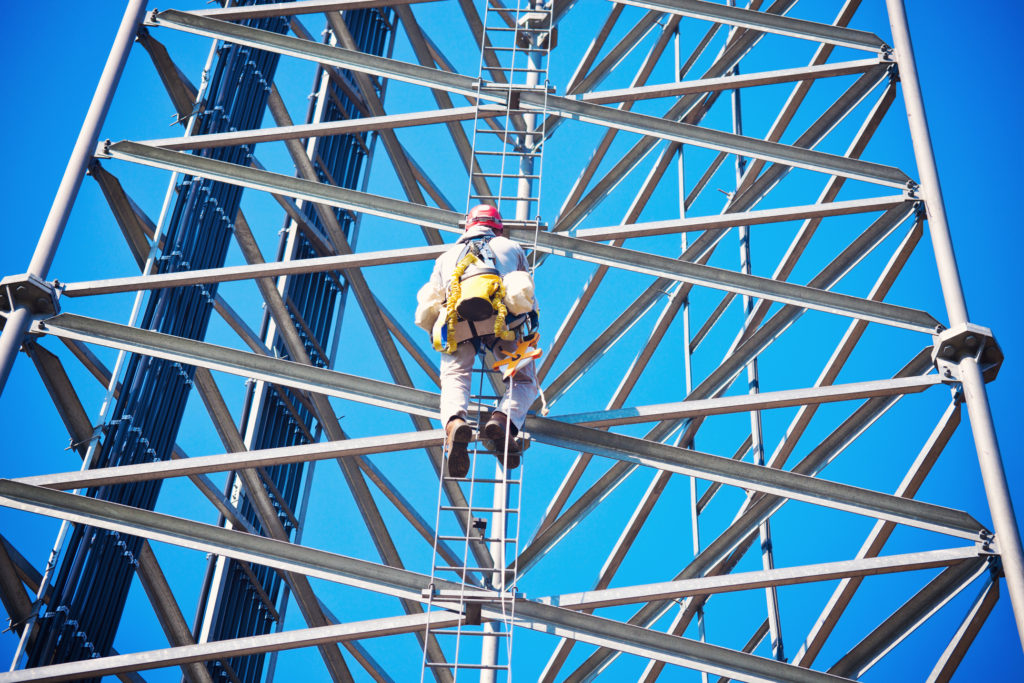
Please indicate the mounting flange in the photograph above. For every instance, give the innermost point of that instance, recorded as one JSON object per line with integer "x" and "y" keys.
{"x": 966, "y": 341}
{"x": 28, "y": 291}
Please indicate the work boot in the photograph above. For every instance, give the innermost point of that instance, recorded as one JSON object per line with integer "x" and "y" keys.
{"x": 457, "y": 435}
{"x": 494, "y": 430}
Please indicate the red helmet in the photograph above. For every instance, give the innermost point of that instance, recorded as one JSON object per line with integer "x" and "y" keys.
{"x": 485, "y": 214}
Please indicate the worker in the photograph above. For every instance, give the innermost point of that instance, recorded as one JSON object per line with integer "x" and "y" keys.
{"x": 479, "y": 298}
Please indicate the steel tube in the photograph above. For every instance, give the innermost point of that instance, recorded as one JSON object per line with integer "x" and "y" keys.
{"x": 82, "y": 154}
{"x": 765, "y": 21}
{"x": 745, "y": 402}
{"x": 15, "y": 326}
{"x": 277, "y": 9}
{"x": 938, "y": 227}
{"x": 1004, "y": 521}
{"x": 18, "y": 321}
{"x": 308, "y": 130}
{"x": 184, "y": 278}
{"x": 746, "y": 218}
{"x": 269, "y": 457}
{"x": 704, "y": 85}
{"x": 223, "y": 649}
{"x": 559, "y": 245}
{"x": 996, "y": 489}
{"x": 785, "y": 576}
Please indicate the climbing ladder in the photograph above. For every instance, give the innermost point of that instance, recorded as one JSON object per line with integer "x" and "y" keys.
{"x": 479, "y": 589}
{"x": 481, "y": 594}
{"x": 508, "y": 148}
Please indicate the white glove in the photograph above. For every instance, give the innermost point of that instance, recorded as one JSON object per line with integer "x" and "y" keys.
{"x": 518, "y": 292}
{"x": 428, "y": 305}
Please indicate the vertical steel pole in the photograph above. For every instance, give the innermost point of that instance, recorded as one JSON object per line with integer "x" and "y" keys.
{"x": 753, "y": 387}
{"x": 687, "y": 358}
{"x": 18, "y": 322}
{"x": 982, "y": 427}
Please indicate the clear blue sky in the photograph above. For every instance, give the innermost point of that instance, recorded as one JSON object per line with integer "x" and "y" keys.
{"x": 970, "y": 68}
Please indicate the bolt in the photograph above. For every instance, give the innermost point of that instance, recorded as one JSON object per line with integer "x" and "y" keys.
{"x": 20, "y": 289}
{"x": 41, "y": 302}
{"x": 947, "y": 372}
{"x": 948, "y": 350}
{"x": 972, "y": 341}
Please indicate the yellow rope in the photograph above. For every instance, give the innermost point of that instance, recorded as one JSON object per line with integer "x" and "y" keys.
{"x": 451, "y": 315}
{"x": 453, "y": 300}
{"x": 498, "y": 301}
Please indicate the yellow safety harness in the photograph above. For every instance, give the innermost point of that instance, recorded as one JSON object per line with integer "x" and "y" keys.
{"x": 490, "y": 288}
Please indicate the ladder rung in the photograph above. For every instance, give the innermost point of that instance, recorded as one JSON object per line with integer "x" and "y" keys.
{"x": 498, "y": 48}
{"x": 475, "y": 594}
{"x": 519, "y": 10}
{"x": 489, "y": 570}
{"x": 511, "y": 198}
{"x": 502, "y": 131}
{"x": 506, "y": 29}
{"x": 481, "y": 480}
{"x": 508, "y": 154}
{"x": 485, "y": 539}
{"x": 505, "y": 175}
{"x": 446, "y": 632}
{"x": 511, "y": 511}
{"x": 521, "y": 87}
{"x": 457, "y": 665}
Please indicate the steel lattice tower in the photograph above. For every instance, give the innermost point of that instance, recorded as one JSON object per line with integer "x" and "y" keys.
{"x": 746, "y": 281}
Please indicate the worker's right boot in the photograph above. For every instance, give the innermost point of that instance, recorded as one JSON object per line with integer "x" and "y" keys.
{"x": 457, "y": 437}
{"x": 501, "y": 434}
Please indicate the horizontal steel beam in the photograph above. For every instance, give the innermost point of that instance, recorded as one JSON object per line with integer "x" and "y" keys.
{"x": 215, "y": 539}
{"x": 234, "y": 647}
{"x": 787, "y": 576}
{"x": 317, "y": 130}
{"x": 740, "y": 283}
{"x": 665, "y": 129}
{"x": 747, "y": 402}
{"x": 551, "y": 104}
{"x": 328, "y": 55}
{"x": 288, "y": 9}
{"x": 247, "y": 272}
{"x": 391, "y": 581}
{"x": 278, "y": 183}
{"x": 703, "y": 85}
{"x": 754, "y": 477}
{"x": 242, "y": 363}
{"x": 226, "y": 462}
{"x": 574, "y": 437}
{"x": 747, "y": 218}
{"x": 767, "y": 22}
{"x": 662, "y": 647}
{"x": 558, "y": 244}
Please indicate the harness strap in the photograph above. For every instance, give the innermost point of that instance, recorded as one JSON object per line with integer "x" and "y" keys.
{"x": 476, "y": 250}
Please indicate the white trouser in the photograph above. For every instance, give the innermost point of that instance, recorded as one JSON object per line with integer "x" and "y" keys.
{"x": 456, "y": 379}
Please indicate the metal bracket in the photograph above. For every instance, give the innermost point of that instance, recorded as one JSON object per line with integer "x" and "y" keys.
{"x": 28, "y": 291}
{"x": 469, "y": 595}
{"x": 103, "y": 149}
{"x": 985, "y": 549}
{"x": 966, "y": 341}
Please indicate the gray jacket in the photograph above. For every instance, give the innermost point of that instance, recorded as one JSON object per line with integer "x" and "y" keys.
{"x": 508, "y": 257}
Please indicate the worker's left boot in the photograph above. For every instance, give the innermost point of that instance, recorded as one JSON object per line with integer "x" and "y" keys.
{"x": 495, "y": 430}
{"x": 457, "y": 435}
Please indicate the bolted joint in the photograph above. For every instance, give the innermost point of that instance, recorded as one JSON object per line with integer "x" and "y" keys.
{"x": 31, "y": 292}
{"x": 966, "y": 341}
